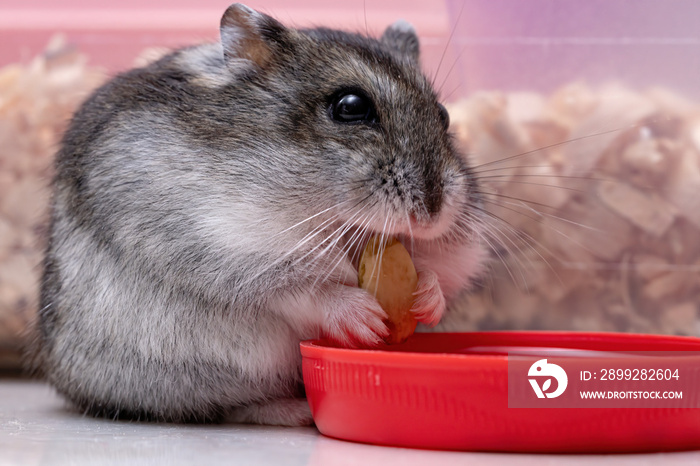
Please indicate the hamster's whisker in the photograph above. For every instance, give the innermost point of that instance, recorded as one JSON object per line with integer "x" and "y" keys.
{"x": 329, "y": 220}
{"x": 488, "y": 194}
{"x": 357, "y": 236}
{"x": 380, "y": 236}
{"x": 525, "y": 205}
{"x": 484, "y": 234}
{"x": 505, "y": 178}
{"x": 341, "y": 254}
{"x": 523, "y": 236}
{"x": 503, "y": 237}
{"x": 500, "y": 169}
{"x": 382, "y": 241}
{"x": 503, "y": 205}
{"x": 332, "y": 239}
{"x": 410, "y": 231}
{"x": 308, "y": 237}
{"x": 365, "y": 233}
{"x": 308, "y": 219}
{"x": 479, "y": 174}
{"x": 340, "y": 232}
{"x": 545, "y": 185}
{"x": 388, "y": 227}
{"x": 364, "y": 11}
{"x": 444, "y": 80}
{"x": 347, "y": 225}
{"x": 486, "y": 280}
{"x": 475, "y": 168}
{"x": 447, "y": 45}
{"x": 353, "y": 219}
{"x": 311, "y": 235}
{"x": 455, "y": 89}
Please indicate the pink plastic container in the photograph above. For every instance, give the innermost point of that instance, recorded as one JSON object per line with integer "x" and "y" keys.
{"x": 543, "y": 44}
{"x": 114, "y": 33}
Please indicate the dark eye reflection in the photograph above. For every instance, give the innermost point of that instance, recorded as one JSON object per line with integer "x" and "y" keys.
{"x": 352, "y": 107}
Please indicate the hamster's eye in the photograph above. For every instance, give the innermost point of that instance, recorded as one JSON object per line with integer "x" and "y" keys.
{"x": 352, "y": 107}
{"x": 444, "y": 115}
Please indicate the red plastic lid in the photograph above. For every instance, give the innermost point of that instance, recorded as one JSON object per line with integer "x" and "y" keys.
{"x": 450, "y": 391}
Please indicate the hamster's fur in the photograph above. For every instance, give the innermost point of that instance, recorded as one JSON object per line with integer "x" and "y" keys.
{"x": 209, "y": 208}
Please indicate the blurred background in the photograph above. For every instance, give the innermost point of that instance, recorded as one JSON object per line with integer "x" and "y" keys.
{"x": 580, "y": 118}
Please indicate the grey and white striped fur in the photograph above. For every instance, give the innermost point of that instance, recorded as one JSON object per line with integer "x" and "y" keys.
{"x": 208, "y": 212}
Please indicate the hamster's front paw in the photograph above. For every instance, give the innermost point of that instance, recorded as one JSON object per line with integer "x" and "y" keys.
{"x": 429, "y": 304}
{"x": 354, "y": 317}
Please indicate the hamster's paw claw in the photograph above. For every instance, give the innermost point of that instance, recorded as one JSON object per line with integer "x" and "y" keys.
{"x": 429, "y": 304}
{"x": 356, "y": 319}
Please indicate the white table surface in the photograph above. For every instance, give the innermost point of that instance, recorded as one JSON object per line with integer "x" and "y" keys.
{"x": 36, "y": 428}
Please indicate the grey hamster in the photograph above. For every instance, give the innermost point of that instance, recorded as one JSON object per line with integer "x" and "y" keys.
{"x": 208, "y": 211}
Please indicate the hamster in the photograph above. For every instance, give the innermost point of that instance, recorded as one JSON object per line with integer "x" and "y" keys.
{"x": 208, "y": 210}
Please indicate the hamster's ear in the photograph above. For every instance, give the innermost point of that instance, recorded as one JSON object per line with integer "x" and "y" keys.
{"x": 401, "y": 37}
{"x": 249, "y": 35}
